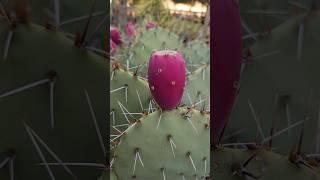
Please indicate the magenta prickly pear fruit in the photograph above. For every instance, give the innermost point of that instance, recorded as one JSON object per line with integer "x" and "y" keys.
{"x": 227, "y": 45}
{"x": 129, "y": 30}
{"x": 167, "y": 78}
{"x": 115, "y": 35}
{"x": 113, "y": 46}
{"x": 150, "y": 25}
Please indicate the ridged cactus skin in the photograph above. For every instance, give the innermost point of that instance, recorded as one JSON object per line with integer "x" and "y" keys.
{"x": 138, "y": 54}
{"x": 165, "y": 145}
{"x": 227, "y": 57}
{"x": 167, "y": 78}
{"x": 115, "y": 35}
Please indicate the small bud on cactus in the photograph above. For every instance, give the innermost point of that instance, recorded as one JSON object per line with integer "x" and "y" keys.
{"x": 113, "y": 46}
{"x": 129, "y": 30}
{"x": 167, "y": 77}
{"x": 150, "y": 25}
{"x": 115, "y": 35}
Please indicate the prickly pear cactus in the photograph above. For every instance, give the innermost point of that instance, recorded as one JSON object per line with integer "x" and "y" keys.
{"x": 130, "y": 98}
{"x": 154, "y": 39}
{"x": 165, "y": 145}
{"x": 279, "y": 86}
{"x": 197, "y": 92}
{"x": 234, "y": 164}
{"x": 52, "y": 100}
{"x": 163, "y": 137}
{"x": 197, "y": 54}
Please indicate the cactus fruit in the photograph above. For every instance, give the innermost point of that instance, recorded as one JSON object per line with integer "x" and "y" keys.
{"x": 52, "y": 105}
{"x": 165, "y": 145}
{"x": 167, "y": 78}
{"x": 129, "y": 30}
{"x": 150, "y": 25}
{"x": 115, "y": 35}
{"x": 227, "y": 57}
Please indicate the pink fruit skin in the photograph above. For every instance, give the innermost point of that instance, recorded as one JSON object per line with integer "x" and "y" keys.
{"x": 113, "y": 46}
{"x": 115, "y": 35}
{"x": 167, "y": 78}
{"x": 150, "y": 25}
{"x": 226, "y": 52}
{"x": 129, "y": 30}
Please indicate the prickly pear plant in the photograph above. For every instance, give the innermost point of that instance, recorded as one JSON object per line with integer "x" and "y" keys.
{"x": 283, "y": 100}
{"x": 130, "y": 98}
{"x": 167, "y": 78}
{"x": 227, "y": 57}
{"x": 197, "y": 92}
{"x": 258, "y": 18}
{"x": 153, "y": 39}
{"x": 151, "y": 117}
{"x": 236, "y": 164}
{"x": 52, "y": 100}
{"x": 164, "y": 145}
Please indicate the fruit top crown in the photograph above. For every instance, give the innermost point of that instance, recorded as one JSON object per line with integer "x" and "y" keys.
{"x": 113, "y": 28}
{"x": 165, "y": 52}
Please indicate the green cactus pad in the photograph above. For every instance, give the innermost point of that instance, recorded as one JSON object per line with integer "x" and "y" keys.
{"x": 47, "y": 77}
{"x": 108, "y": 176}
{"x": 196, "y": 54}
{"x": 128, "y": 94}
{"x": 280, "y": 83}
{"x": 173, "y": 147}
{"x": 147, "y": 41}
{"x": 230, "y": 164}
{"x": 198, "y": 88}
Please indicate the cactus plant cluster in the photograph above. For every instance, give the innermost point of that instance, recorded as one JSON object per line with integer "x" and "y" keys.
{"x": 52, "y": 93}
{"x": 159, "y": 108}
